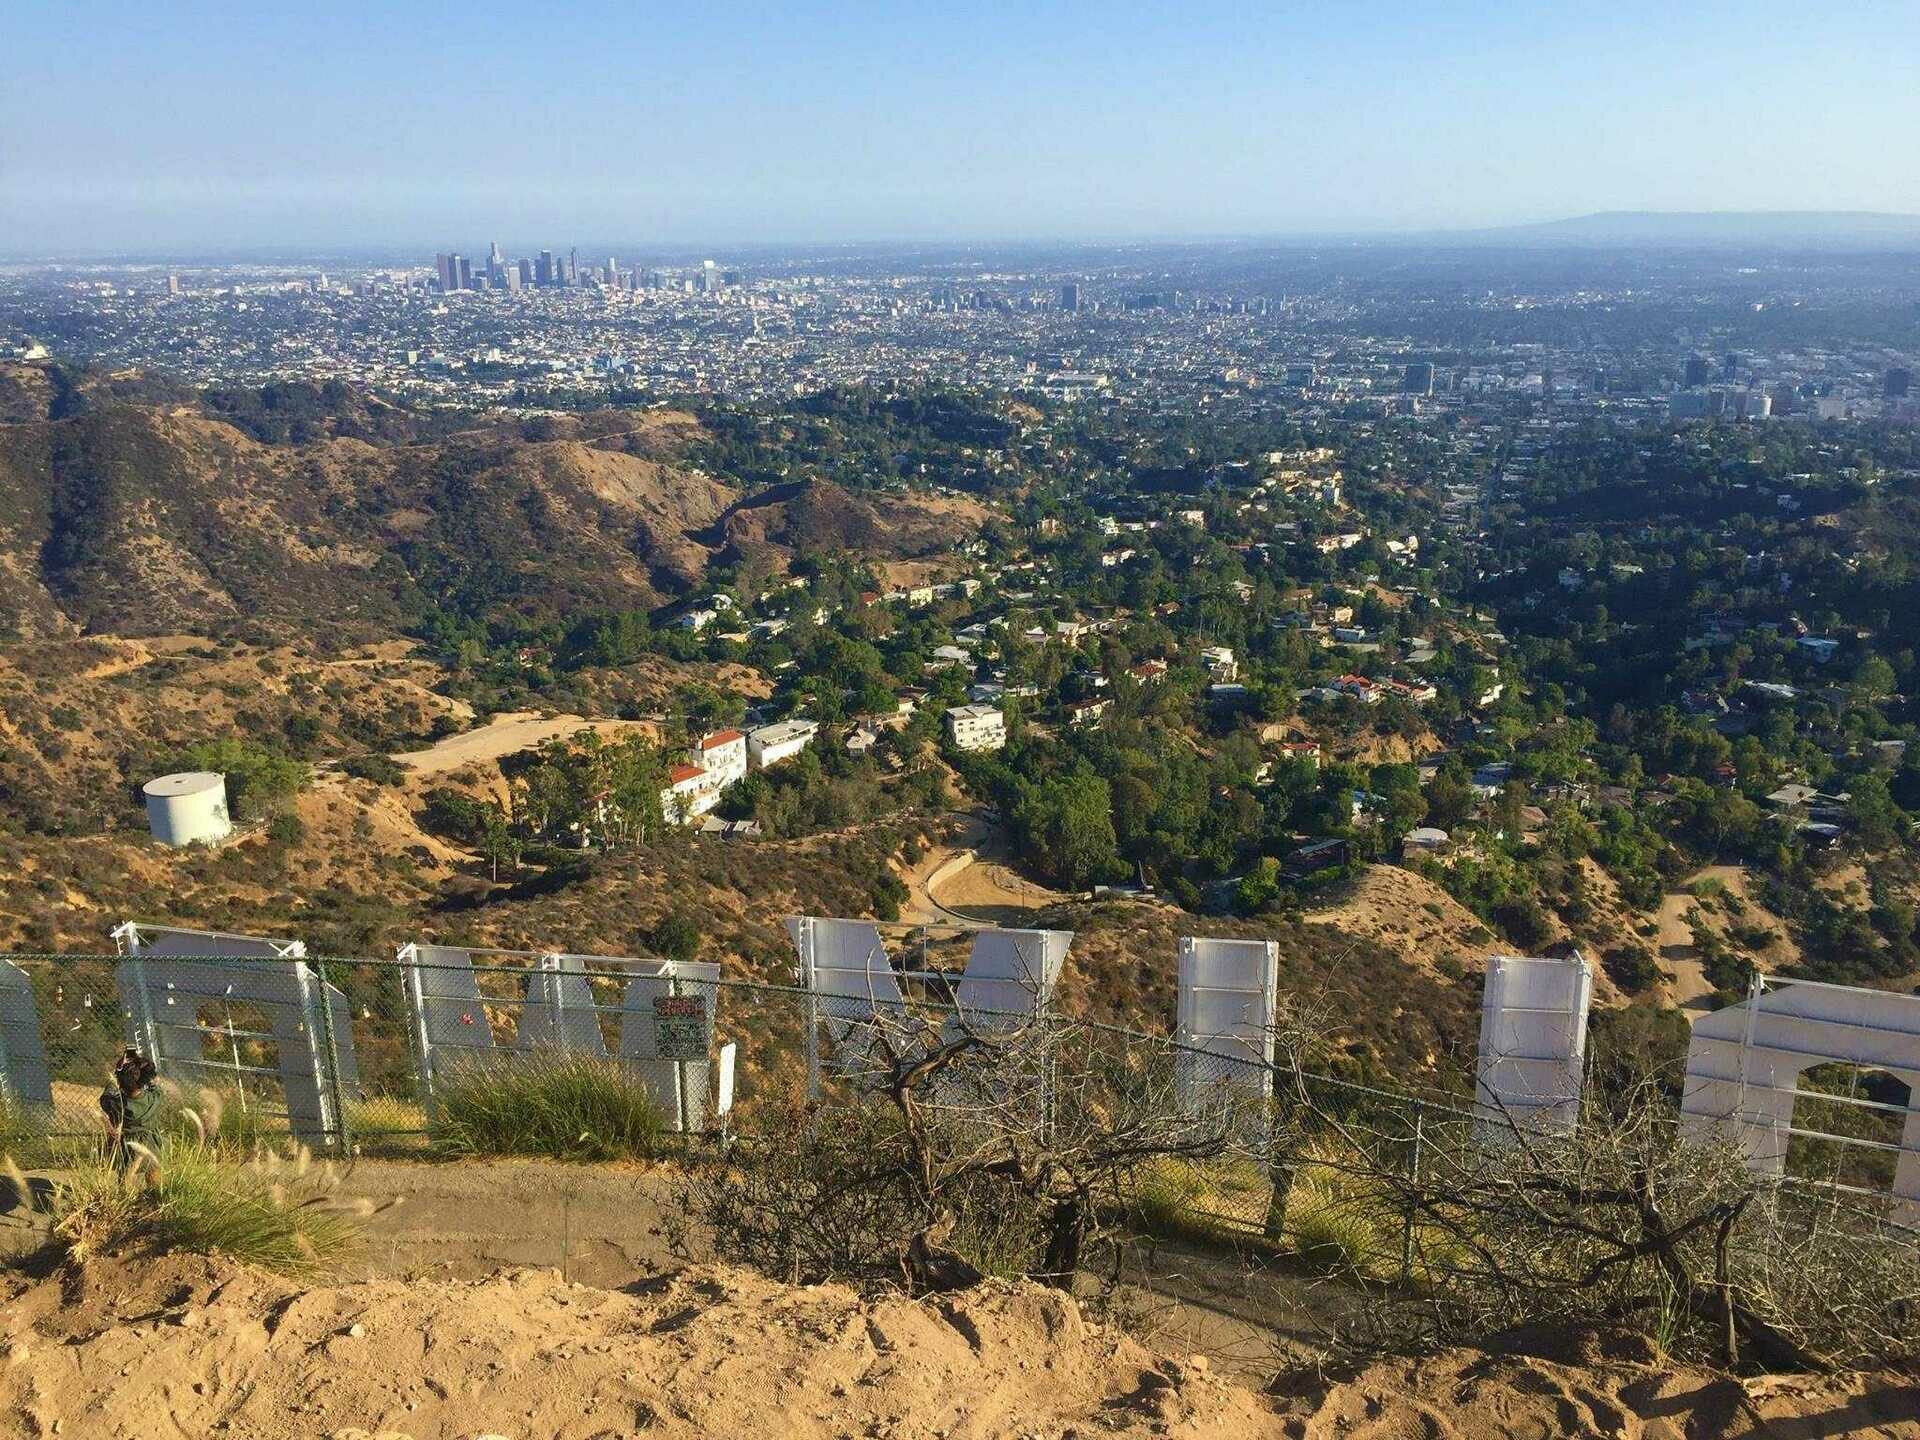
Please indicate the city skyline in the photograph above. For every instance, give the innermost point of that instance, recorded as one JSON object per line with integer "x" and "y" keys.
{"x": 163, "y": 129}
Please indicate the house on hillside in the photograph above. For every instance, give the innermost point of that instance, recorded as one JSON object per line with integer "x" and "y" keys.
{"x": 1087, "y": 712}
{"x": 771, "y": 744}
{"x": 723, "y": 755}
{"x": 1315, "y": 856}
{"x": 1219, "y": 663}
{"x": 1360, "y": 688}
{"x": 690, "y": 793}
{"x": 976, "y": 727}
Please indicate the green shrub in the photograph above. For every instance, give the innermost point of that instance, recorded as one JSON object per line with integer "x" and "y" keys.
{"x": 575, "y": 1107}
{"x": 1332, "y": 1231}
{"x": 675, "y": 938}
{"x": 1166, "y": 1198}
{"x": 286, "y": 828}
{"x": 183, "y": 1194}
{"x": 381, "y": 769}
{"x": 885, "y": 895}
{"x": 1222, "y": 1199}
{"x": 1631, "y": 967}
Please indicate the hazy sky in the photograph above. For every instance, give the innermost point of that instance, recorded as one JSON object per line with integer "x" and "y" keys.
{"x": 152, "y": 125}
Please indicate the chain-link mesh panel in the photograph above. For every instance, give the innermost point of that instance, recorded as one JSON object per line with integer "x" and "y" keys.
{"x": 1240, "y": 1151}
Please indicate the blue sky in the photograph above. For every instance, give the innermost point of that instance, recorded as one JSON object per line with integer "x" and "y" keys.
{"x": 157, "y": 125}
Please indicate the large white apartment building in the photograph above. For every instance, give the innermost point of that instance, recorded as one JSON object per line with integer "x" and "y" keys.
{"x": 690, "y": 793}
{"x": 723, "y": 755}
{"x": 977, "y": 727}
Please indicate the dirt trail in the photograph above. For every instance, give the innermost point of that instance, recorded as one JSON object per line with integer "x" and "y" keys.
{"x": 1690, "y": 990}
{"x": 509, "y": 734}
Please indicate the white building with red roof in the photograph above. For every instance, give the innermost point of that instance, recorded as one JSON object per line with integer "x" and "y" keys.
{"x": 722, "y": 755}
{"x": 690, "y": 793}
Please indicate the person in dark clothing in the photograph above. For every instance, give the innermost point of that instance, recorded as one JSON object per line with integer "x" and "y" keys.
{"x": 128, "y": 1103}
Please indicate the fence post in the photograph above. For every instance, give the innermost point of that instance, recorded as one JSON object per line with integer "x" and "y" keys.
{"x": 330, "y": 1062}
{"x": 141, "y": 1011}
{"x": 813, "y": 1007}
{"x": 679, "y": 1066}
{"x": 1283, "y": 1110}
{"x": 413, "y": 996}
{"x": 1406, "y": 1231}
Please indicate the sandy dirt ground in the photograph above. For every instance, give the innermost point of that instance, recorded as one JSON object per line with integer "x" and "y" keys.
{"x": 184, "y": 1346}
{"x": 509, "y": 734}
{"x": 540, "y": 1302}
{"x": 190, "y": 1347}
{"x": 1690, "y": 989}
{"x": 967, "y": 879}
{"x": 605, "y": 1226}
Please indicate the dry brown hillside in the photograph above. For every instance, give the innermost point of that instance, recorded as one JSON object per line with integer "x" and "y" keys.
{"x": 83, "y": 722}
{"x": 1413, "y": 917}
{"x": 145, "y": 514}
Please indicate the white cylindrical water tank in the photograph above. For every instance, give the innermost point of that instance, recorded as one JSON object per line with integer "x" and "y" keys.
{"x": 189, "y": 808}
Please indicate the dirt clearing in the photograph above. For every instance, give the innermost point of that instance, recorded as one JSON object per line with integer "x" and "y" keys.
{"x": 192, "y": 1347}
{"x": 510, "y": 734}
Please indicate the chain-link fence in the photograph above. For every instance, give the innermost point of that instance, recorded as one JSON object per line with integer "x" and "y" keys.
{"x": 393, "y": 1056}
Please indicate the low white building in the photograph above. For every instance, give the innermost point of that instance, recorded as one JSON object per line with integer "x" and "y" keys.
{"x": 1087, "y": 712}
{"x": 771, "y": 744}
{"x": 976, "y": 727}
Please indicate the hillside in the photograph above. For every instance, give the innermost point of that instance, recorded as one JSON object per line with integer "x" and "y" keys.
{"x": 220, "y": 513}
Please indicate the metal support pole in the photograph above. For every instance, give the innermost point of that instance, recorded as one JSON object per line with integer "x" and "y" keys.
{"x": 548, "y": 978}
{"x": 333, "y": 1112}
{"x": 1756, "y": 987}
{"x": 807, "y": 978}
{"x": 679, "y": 1066}
{"x": 1406, "y": 1232}
{"x": 147, "y": 1032}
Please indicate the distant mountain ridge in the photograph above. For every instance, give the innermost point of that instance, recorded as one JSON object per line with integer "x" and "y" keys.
{"x": 1715, "y": 229}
